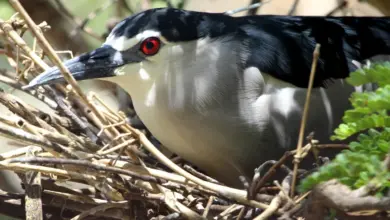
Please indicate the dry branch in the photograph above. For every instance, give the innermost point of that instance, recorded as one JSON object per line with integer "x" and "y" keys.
{"x": 335, "y": 195}
{"x": 298, "y": 155}
{"x": 33, "y": 202}
{"x": 66, "y": 33}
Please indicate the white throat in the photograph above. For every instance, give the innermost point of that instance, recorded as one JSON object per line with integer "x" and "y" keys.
{"x": 178, "y": 74}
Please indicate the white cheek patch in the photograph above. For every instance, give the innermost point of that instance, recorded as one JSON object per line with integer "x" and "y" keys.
{"x": 148, "y": 33}
{"x": 120, "y": 43}
{"x": 123, "y": 43}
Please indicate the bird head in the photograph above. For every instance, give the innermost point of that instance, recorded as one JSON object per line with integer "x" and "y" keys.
{"x": 140, "y": 42}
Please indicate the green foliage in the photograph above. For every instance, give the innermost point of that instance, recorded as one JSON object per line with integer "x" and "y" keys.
{"x": 376, "y": 73}
{"x": 362, "y": 163}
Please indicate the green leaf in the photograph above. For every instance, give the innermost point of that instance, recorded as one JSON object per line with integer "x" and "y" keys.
{"x": 369, "y": 117}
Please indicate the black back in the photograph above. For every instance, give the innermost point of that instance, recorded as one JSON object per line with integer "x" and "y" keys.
{"x": 278, "y": 45}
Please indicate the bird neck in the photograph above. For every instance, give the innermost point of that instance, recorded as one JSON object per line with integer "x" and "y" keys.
{"x": 186, "y": 75}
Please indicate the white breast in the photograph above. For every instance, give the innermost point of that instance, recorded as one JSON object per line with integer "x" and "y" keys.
{"x": 223, "y": 121}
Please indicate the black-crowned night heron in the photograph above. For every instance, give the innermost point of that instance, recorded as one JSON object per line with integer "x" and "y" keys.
{"x": 227, "y": 93}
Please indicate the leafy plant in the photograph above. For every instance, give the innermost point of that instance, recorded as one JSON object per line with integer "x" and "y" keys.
{"x": 362, "y": 163}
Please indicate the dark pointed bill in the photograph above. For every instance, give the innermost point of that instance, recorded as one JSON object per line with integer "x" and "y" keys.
{"x": 96, "y": 64}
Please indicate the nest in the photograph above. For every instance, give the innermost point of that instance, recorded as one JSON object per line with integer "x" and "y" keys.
{"x": 85, "y": 161}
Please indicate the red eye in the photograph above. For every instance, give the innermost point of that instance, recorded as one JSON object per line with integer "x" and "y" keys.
{"x": 150, "y": 46}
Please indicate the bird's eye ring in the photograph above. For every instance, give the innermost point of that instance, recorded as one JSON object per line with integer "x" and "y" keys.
{"x": 150, "y": 46}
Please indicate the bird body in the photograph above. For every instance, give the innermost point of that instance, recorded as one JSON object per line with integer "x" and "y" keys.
{"x": 222, "y": 121}
{"x": 227, "y": 93}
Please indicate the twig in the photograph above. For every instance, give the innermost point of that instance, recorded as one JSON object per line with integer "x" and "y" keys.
{"x": 19, "y": 152}
{"x": 33, "y": 195}
{"x": 187, "y": 189}
{"x": 333, "y": 194}
{"x": 199, "y": 174}
{"x": 49, "y": 135}
{"x": 19, "y": 107}
{"x": 209, "y": 203}
{"x": 293, "y": 7}
{"x": 339, "y": 7}
{"x": 231, "y": 193}
{"x": 61, "y": 23}
{"x": 337, "y": 146}
{"x": 17, "y": 85}
{"x": 253, "y": 11}
{"x": 242, "y": 213}
{"x": 114, "y": 213}
{"x": 278, "y": 200}
{"x": 86, "y": 164}
{"x": 117, "y": 147}
{"x": 26, "y": 137}
{"x": 285, "y": 189}
{"x": 171, "y": 201}
{"x": 69, "y": 113}
{"x": 302, "y": 197}
{"x": 94, "y": 13}
{"x": 8, "y": 29}
{"x": 96, "y": 201}
{"x": 298, "y": 155}
{"x": 12, "y": 206}
{"x": 257, "y": 185}
{"x": 10, "y": 82}
{"x": 161, "y": 174}
{"x": 45, "y": 170}
{"x": 99, "y": 208}
{"x": 49, "y": 51}
{"x": 287, "y": 215}
{"x": 273, "y": 206}
{"x": 63, "y": 9}
{"x": 172, "y": 216}
{"x": 229, "y": 210}
{"x": 254, "y": 6}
